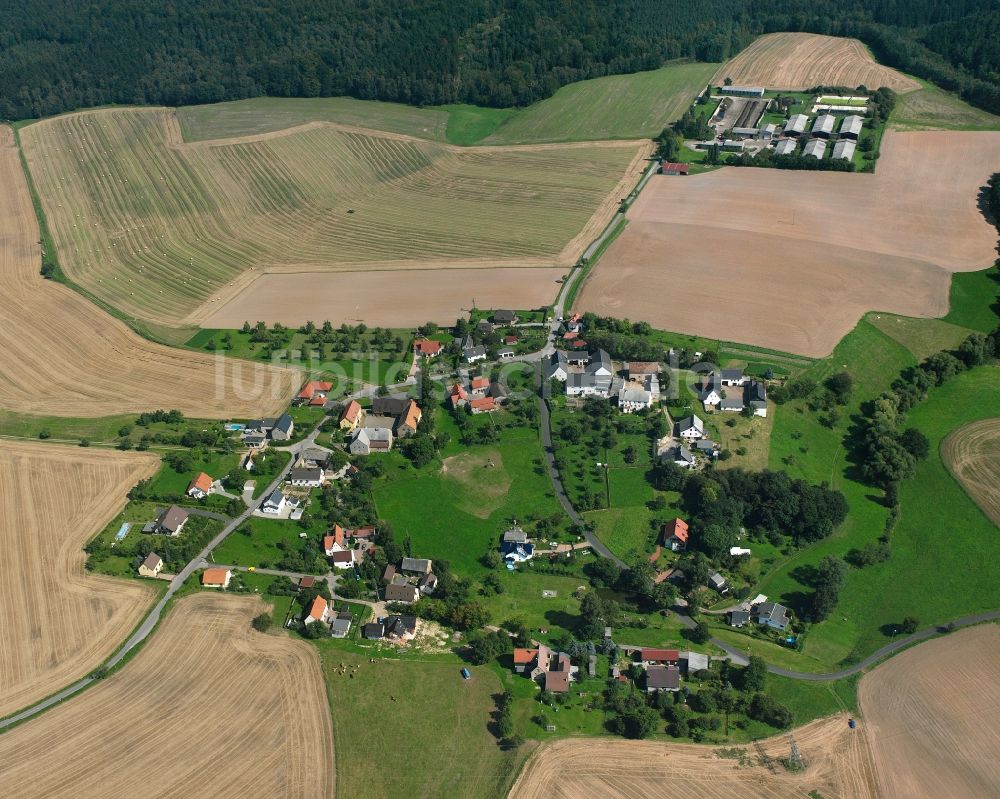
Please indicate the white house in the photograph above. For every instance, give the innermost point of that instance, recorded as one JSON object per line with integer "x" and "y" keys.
{"x": 692, "y": 428}
{"x": 275, "y": 503}
{"x": 306, "y": 477}
{"x": 558, "y": 367}
{"x": 632, "y": 399}
{"x": 319, "y": 610}
{"x": 200, "y": 487}
{"x": 343, "y": 559}
{"x": 710, "y": 398}
{"x": 732, "y": 377}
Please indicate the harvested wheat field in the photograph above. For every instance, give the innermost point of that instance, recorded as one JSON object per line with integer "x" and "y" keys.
{"x": 58, "y": 621}
{"x": 384, "y": 298}
{"x": 972, "y": 455}
{"x": 933, "y": 717}
{"x": 57, "y": 345}
{"x": 804, "y": 60}
{"x": 792, "y": 260}
{"x": 838, "y": 766}
{"x": 209, "y": 708}
{"x": 158, "y": 227}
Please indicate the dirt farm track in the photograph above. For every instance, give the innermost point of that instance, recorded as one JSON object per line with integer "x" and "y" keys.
{"x": 791, "y": 260}
{"x": 837, "y": 767}
{"x": 972, "y": 454}
{"x": 209, "y": 708}
{"x": 58, "y": 622}
{"x": 57, "y": 345}
{"x": 804, "y": 60}
{"x": 933, "y": 718}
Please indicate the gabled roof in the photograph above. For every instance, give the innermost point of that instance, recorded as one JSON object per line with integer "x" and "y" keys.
{"x": 421, "y": 565}
{"x": 317, "y": 608}
{"x": 483, "y": 404}
{"x": 524, "y": 656}
{"x": 344, "y": 556}
{"x": 650, "y": 654}
{"x": 328, "y": 542}
{"x": 400, "y": 593}
{"x": 732, "y": 374}
{"x": 557, "y": 681}
{"x": 202, "y": 482}
{"x": 351, "y": 412}
{"x": 426, "y": 346}
{"x": 676, "y": 528}
{"x": 314, "y": 387}
{"x": 214, "y": 576}
{"x": 663, "y": 677}
{"x": 390, "y": 406}
{"x": 306, "y": 474}
{"x": 172, "y": 518}
{"x": 480, "y": 382}
{"x": 276, "y": 498}
{"x": 691, "y": 422}
{"x": 283, "y": 423}
{"x": 412, "y": 415}
{"x": 152, "y": 560}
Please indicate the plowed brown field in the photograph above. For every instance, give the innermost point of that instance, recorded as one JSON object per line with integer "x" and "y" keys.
{"x": 972, "y": 455}
{"x": 56, "y": 621}
{"x": 933, "y": 717}
{"x": 209, "y": 708}
{"x": 804, "y": 60}
{"x": 791, "y": 260}
{"x": 838, "y": 766}
{"x": 62, "y": 356}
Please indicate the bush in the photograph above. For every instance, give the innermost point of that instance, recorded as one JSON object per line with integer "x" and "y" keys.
{"x": 764, "y": 708}
{"x": 44, "y": 433}
{"x": 263, "y": 622}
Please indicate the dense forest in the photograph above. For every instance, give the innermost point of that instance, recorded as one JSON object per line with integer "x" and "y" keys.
{"x": 57, "y": 55}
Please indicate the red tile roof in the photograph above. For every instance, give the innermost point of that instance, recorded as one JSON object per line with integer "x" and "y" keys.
{"x": 317, "y": 608}
{"x": 307, "y": 582}
{"x": 426, "y": 346}
{"x": 660, "y": 654}
{"x": 314, "y": 387}
{"x": 480, "y": 382}
{"x": 570, "y": 334}
{"x": 328, "y": 542}
{"x": 202, "y": 482}
{"x": 557, "y": 681}
{"x": 525, "y": 655}
{"x": 676, "y": 528}
{"x": 670, "y": 166}
{"x": 579, "y": 344}
{"x": 510, "y": 339}
{"x": 483, "y": 404}
{"x": 214, "y": 576}
{"x": 319, "y": 399}
{"x": 337, "y": 534}
{"x": 350, "y": 412}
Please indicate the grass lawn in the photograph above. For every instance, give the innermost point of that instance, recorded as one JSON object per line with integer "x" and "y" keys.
{"x": 98, "y": 430}
{"x": 932, "y": 108}
{"x": 522, "y": 599}
{"x": 262, "y": 546}
{"x": 922, "y": 337}
{"x": 975, "y": 299}
{"x": 266, "y": 114}
{"x": 459, "y": 516}
{"x": 421, "y": 715}
{"x": 615, "y": 107}
{"x": 167, "y": 482}
{"x": 628, "y": 532}
{"x": 468, "y": 124}
{"x": 749, "y": 440}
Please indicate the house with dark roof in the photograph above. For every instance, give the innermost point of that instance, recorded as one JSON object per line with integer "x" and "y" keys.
{"x": 405, "y": 593}
{"x": 283, "y": 428}
{"x": 732, "y": 377}
{"x": 151, "y": 566}
{"x": 504, "y": 317}
{"x": 341, "y": 626}
{"x": 371, "y": 439}
{"x": 471, "y": 352}
{"x": 717, "y": 582}
{"x": 557, "y": 367}
{"x": 739, "y": 618}
{"x": 306, "y": 477}
{"x": 171, "y": 521}
{"x": 416, "y": 566}
{"x": 389, "y": 406}
{"x": 663, "y": 678}
{"x": 756, "y": 397}
{"x": 731, "y": 405}
{"x": 692, "y": 428}
{"x": 373, "y": 631}
{"x": 400, "y": 628}
{"x": 681, "y": 456}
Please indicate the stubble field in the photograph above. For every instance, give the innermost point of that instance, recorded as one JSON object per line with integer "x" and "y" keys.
{"x": 838, "y": 766}
{"x": 59, "y": 622}
{"x": 804, "y": 60}
{"x": 209, "y": 708}
{"x": 60, "y": 355}
{"x": 933, "y": 717}
{"x": 792, "y": 260}
{"x": 168, "y": 231}
{"x": 972, "y": 455}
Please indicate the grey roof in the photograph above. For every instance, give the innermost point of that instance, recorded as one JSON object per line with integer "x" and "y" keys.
{"x": 399, "y": 625}
{"x": 503, "y": 317}
{"x": 342, "y": 626}
{"x": 275, "y": 498}
{"x": 844, "y": 149}
{"x": 691, "y": 422}
{"x": 771, "y": 610}
{"x": 306, "y": 475}
{"x": 852, "y": 125}
{"x": 796, "y": 124}
{"x": 421, "y": 565}
{"x": 260, "y": 424}
{"x": 682, "y": 453}
{"x": 316, "y": 455}
{"x": 705, "y": 445}
{"x": 498, "y": 390}
{"x": 755, "y": 390}
{"x": 824, "y": 124}
{"x": 474, "y": 352}
{"x": 695, "y": 661}
{"x": 732, "y": 374}
{"x": 370, "y": 434}
{"x": 739, "y": 616}
{"x": 284, "y": 423}
{"x": 638, "y": 395}
{"x": 516, "y": 535}
{"x": 586, "y": 380}
{"x": 599, "y": 360}
{"x": 730, "y": 404}
{"x": 815, "y": 148}
{"x": 373, "y": 630}
{"x": 716, "y": 580}
{"x": 785, "y": 147}
{"x": 152, "y": 560}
